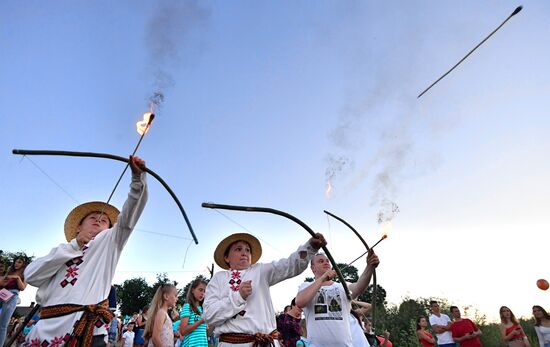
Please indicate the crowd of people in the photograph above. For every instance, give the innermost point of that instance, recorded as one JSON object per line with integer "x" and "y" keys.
{"x": 235, "y": 306}
{"x": 462, "y": 332}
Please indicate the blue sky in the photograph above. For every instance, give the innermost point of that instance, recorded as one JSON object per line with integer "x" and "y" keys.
{"x": 263, "y": 95}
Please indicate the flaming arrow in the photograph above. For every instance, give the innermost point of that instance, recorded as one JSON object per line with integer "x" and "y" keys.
{"x": 375, "y": 286}
{"x": 292, "y": 218}
{"x": 118, "y": 158}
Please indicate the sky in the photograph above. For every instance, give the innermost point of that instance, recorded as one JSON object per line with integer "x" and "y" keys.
{"x": 267, "y": 101}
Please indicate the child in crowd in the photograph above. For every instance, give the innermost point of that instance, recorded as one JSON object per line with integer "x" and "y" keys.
{"x": 158, "y": 330}
{"x": 128, "y": 336}
{"x": 192, "y": 326}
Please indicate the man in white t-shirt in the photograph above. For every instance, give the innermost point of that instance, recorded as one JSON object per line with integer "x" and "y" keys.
{"x": 441, "y": 324}
{"x": 326, "y": 306}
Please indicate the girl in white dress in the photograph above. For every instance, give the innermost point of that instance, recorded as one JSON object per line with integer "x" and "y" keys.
{"x": 158, "y": 329}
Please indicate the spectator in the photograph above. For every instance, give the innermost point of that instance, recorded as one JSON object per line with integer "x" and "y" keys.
{"x": 128, "y": 336}
{"x": 424, "y": 337}
{"x": 11, "y": 284}
{"x": 374, "y": 341}
{"x": 512, "y": 333}
{"x": 114, "y": 328}
{"x": 192, "y": 326}
{"x": 464, "y": 331}
{"x": 141, "y": 322}
{"x": 158, "y": 330}
{"x": 542, "y": 325}
{"x": 288, "y": 325}
{"x": 441, "y": 324}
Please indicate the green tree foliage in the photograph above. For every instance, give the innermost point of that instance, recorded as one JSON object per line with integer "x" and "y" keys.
{"x": 133, "y": 295}
{"x": 367, "y": 296}
{"x": 136, "y": 293}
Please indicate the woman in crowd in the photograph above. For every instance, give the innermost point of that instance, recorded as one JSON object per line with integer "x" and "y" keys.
{"x": 11, "y": 284}
{"x": 141, "y": 321}
{"x": 542, "y": 325}
{"x": 512, "y": 333}
{"x": 424, "y": 337}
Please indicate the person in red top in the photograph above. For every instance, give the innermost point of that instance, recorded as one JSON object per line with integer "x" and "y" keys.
{"x": 424, "y": 337}
{"x": 464, "y": 330}
{"x": 512, "y": 333}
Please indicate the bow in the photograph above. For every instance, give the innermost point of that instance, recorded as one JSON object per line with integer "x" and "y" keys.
{"x": 374, "y": 291}
{"x": 113, "y": 157}
{"x": 292, "y": 218}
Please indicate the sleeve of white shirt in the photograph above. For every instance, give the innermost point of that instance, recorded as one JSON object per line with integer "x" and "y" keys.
{"x": 432, "y": 320}
{"x": 218, "y": 307}
{"x": 282, "y": 269}
{"x": 131, "y": 211}
{"x": 539, "y": 335}
{"x": 44, "y": 268}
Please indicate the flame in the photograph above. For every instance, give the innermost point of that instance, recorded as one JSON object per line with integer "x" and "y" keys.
{"x": 386, "y": 228}
{"x": 141, "y": 126}
{"x": 328, "y": 190}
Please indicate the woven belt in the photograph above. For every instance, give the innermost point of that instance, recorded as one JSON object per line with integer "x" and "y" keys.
{"x": 258, "y": 339}
{"x": 84, "y": 328}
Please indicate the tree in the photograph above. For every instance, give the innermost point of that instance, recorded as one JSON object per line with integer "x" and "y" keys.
{"x": 162, "y": 278}
{"x": 133, "y": 295}
{"x": 367, "y": 295}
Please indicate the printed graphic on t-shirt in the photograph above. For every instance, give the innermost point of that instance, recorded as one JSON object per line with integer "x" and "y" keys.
{"x": 328, "y": 304}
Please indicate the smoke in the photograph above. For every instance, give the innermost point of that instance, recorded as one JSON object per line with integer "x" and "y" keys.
{"x": 168, "y": 33}
{"x": 374, "y": 129}
{"x": 335, "y": 165}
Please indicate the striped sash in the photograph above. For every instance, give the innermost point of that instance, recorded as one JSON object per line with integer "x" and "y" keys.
{"x": 84, "y": 328}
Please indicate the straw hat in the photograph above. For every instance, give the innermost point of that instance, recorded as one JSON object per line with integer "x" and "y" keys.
{"x": 255, "y": 248}
{"x": 78, "y": 213}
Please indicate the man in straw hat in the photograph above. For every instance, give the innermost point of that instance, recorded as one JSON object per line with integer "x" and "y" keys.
{"x": 237, "y": 302}
{"x": 74, "y": 279}
{"x": 325, "y": 304}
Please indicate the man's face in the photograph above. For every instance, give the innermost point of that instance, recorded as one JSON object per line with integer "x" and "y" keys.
{"x": 320, "y": 265}
{"x": 93, "y": 224}
{"x": 239, "y": 256}
{"x": 435, "y": 308}
{"x": 455, "y": 312}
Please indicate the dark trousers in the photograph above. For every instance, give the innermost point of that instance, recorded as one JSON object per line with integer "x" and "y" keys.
{"x": 98, "y": 341}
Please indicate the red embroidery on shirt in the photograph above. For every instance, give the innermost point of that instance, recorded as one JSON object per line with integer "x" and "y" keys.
{"x": 56, "y": 342}
{"x": 72, "y": 272}
{"x": 34, "y": 343}
{"x": 235, "y": 281}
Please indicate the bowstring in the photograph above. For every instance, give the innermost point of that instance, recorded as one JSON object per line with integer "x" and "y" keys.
{"x": 78, "y": 202}
{"x": 51, "y": 179}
